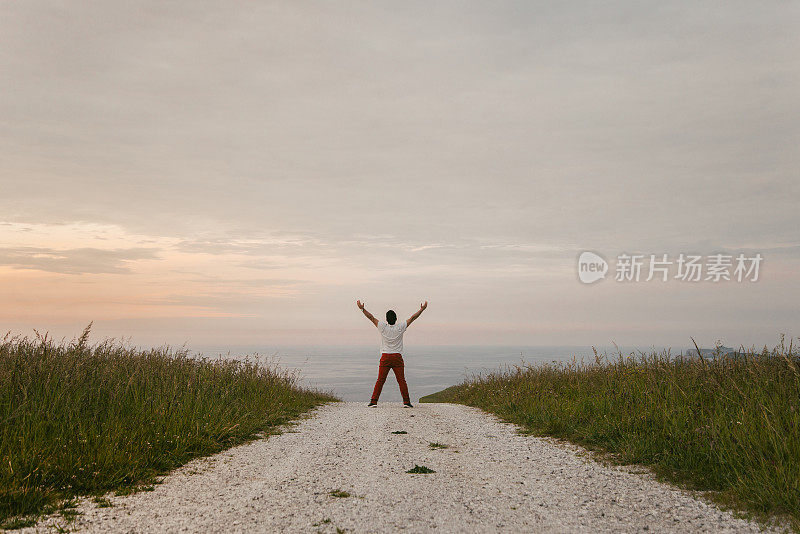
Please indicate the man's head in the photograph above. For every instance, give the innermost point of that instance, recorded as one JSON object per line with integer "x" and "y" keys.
{"x": 391, "y": 317}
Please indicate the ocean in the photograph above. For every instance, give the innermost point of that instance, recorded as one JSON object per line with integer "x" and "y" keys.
{"x": 350, "y": 372}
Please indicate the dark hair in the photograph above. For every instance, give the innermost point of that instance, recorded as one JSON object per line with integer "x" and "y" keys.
{"x": 391, "y": 317}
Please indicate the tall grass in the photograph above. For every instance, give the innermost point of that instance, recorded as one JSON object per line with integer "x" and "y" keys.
{"x": 729, "y": 424}
{"x": 78, "y": 419}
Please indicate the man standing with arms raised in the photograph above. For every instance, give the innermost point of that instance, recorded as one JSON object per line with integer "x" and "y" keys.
{"x": 391, "y": 351}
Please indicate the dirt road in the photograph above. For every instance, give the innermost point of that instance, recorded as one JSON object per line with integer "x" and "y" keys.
{"x": 344, "y": 468}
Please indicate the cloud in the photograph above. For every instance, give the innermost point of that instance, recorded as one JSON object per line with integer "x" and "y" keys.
{"x": 470, "y": 149}
{"x": 249, "y": 245}
{"x": 514, "y": 122}
{"x": 245, "y": 296}
{"x": 76, "y": 260}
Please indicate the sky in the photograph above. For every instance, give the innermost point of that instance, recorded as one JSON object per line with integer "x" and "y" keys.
{"x": 241, "y": 172}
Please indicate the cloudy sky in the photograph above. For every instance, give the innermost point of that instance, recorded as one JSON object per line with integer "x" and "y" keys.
{"x": 241, "y": 173}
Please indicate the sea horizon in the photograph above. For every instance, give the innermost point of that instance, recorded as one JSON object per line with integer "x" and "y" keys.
{"x": 349, "y": 371}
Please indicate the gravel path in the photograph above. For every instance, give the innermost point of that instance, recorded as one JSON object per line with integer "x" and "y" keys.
{"x": 489, "y": 479}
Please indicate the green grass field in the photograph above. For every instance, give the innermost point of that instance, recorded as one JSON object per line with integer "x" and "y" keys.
{"x": 84, "y": 420}
{"x": 730, "y": 425}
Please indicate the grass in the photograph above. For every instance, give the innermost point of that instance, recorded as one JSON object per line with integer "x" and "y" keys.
{"x": 80, "y": 420}
{"x": 420, "y": 469}
{"x": 102, "y": 502}
{"x": 69, "y": 513}
{"x": 19, "y": 522}
{"x": 399, "y": 432}
{"x": 341, "y": 494}
{"x": 437, "y": 445}
{"x": 729, "y": 425}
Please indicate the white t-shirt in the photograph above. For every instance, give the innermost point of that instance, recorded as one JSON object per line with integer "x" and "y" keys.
{"x": 392, "y": 336}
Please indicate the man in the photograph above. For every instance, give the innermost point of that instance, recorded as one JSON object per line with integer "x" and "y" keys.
{"x": 391, "y": 351}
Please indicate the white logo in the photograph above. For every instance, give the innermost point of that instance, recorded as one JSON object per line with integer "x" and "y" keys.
{"x": 661, "y": 267}
{"x": 591, "y": 267}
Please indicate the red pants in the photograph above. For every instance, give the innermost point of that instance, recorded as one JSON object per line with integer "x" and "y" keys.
{"x": 391, "y": 361}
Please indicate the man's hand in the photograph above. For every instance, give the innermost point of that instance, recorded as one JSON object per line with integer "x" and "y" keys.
{"x": 367, "y": 314}
{"x": 413, "y": 318}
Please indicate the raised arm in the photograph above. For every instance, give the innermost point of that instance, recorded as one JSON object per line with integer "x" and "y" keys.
{"x": 367, "y": 314}
{"x": 414, "y": 317}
